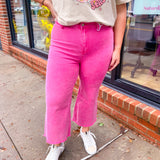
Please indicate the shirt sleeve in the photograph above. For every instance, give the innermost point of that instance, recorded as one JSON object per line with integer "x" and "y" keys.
{"x": 118, "y": 2}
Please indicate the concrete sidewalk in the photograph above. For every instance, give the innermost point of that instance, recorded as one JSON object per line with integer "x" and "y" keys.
{"x": 22, "y": 113}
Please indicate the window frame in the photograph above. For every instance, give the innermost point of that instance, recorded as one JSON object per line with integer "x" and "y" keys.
{"x": 31, "y": 48}
{"x": 152, "y": 97}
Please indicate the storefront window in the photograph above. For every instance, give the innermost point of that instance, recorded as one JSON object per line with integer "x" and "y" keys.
{"x": 19, "y": 23}
{"x": 141, "y": 57}
{"x": 42, "y": 26}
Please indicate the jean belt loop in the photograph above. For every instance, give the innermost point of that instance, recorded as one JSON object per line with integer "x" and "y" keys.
{"x": 99, "y": 26}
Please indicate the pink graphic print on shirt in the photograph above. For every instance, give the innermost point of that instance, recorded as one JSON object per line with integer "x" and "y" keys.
{"x": 94, "y": 3}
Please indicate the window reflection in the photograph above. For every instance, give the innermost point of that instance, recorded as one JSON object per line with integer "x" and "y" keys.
{"x": 19, "y": 22}
{"x": 141, "y": 57}
{"x": 42, "y": 26}
{"x": 155, "y": 65}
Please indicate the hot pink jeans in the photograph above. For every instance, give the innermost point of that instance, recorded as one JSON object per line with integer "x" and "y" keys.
{"x": 83, "y": 49}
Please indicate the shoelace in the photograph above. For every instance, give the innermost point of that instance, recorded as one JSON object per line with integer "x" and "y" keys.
{"x": 88, "y": 134}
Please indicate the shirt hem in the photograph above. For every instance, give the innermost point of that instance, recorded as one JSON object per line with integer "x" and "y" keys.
{"x": 119, "y": 3}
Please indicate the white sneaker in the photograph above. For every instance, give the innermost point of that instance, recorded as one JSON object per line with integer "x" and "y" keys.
{"x": 54, "y": 152}
{"x": 89, "y": 142}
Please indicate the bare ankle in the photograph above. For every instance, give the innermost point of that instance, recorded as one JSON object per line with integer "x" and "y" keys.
{"x": 58, "y": 144}
{"x": 85, "y": 129}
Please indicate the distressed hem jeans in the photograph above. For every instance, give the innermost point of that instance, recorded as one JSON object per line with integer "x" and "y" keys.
{"x": 83, "y": 50}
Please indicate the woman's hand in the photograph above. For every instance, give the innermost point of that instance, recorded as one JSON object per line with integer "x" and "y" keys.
{"x": 49, "y": 5}
{"x": 115, "y": 59}
{"x": 119, "y": 29}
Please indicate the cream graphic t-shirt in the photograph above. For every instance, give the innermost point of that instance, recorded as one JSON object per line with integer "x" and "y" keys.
{"x": 71, "y": 12}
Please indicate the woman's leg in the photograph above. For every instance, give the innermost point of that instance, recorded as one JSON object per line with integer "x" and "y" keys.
{"x": 61, "y": 75}
{"x": 60, "y": 79}
{"x": 93, "y": 67}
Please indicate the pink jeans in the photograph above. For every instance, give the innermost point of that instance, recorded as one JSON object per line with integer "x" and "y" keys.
{"x": 82, "y": 50}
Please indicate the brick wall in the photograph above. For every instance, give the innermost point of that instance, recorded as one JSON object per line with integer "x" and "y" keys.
{"x": 5, "y": 34}
{"x": 32, "y": 61}
{"x": 143, "y": 119}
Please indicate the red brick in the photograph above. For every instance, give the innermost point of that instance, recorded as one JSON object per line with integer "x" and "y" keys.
{"x": 119, "y": 116}
{"x": 38, "y": 68}
{"x": 139, "y": 110}
{"x": 110, "y": 95}
{"x": 128, "y": 114}
{"x": 146, "y": 112}
{"x": 106, "y": 89}
{"x": 39, "y": 63}
{"x": 115, "y": 98}
{"x": 154, "y": 117}
{"x": 121, "y": 99}
{"x": 112, "y": 106}
{"x": 148, "y": 125}
{"x": 154, "y": 135}
{"x": 45, "y": 63}
{"x": 5, "y": 42}
{"x": 126, "y": 103}
{"x": 147, "y": 137}
{"x": 100, "y": 99}
{"x": 137, "y": 125}
{"x": 34, "y": 60}
{"x": 103, "y": 88}
{"x": 104, "y": 96}
{"x": 22, "y": 60}
{"x": 104, "y": 108}
{"x": 131, "y": 127}
{"x": 105, "y": 92}
{"x": 132, "y": 106}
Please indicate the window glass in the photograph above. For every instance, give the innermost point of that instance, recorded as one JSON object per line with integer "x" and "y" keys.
{"x": 141, "y": 57}
{"x": 19, "y": 22}
{"x": 42, "y": 25}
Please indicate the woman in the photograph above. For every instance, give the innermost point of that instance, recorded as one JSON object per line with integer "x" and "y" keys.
{"x": 86, "y": 41}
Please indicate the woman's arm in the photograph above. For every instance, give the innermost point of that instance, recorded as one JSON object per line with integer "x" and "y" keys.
{"x": 49, "y": 5}
{"x": 119, "y": 29}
